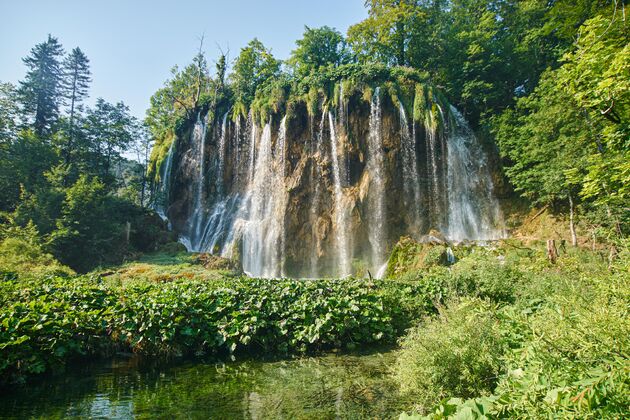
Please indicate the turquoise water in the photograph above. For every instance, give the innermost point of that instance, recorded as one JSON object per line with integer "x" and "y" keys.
{"x": 323, "y": 387}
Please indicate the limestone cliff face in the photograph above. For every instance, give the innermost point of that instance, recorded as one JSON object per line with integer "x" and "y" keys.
{"x": 327, "y": 194}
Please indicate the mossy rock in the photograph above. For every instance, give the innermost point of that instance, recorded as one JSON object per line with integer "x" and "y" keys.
{"x": 172, "y": 248}
{"x": 411, "y": 255}
{"x": 214, "y": 262}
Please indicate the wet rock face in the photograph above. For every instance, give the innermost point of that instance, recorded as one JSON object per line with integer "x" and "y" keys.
{"x": 311, "y": 196}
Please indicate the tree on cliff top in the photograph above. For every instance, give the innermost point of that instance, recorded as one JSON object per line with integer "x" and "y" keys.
{"x": 254, "y": 65}
{"x": 319, "y": 47}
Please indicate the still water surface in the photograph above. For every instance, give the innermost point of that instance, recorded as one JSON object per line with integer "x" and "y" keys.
{"x": 323, "y": 387}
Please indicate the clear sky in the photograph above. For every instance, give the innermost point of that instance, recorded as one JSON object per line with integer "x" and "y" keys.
{"x": 133, "y": 44}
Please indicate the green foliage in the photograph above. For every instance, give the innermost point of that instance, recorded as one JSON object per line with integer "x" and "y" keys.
{"x": 457, "y": 353}
{"x": 41, "y": 92}
{"x": 64, "y": 174}
{"x": 409, "y": 255}
{"x": 254, "y": 66}
{"x": 319, "y": 47}
{"x": 46, "y": 321}
{"x": 385, "y": 34}
{"x": 570, "y": 135}
{"x": 49, "y": 322}
{"x": 562, "y": 340}
{"x": 9, "y": 112}
{"x": 21, "y": 253}
{"x": 485, "y": 277}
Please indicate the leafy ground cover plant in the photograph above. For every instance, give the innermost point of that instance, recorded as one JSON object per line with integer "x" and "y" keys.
{"x": 46, "y": 322}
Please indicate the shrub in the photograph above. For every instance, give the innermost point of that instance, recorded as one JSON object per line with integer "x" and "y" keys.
{"x": 486, "y": 277}
{"x": 568, "y": 335}
{"x": 26, "y": 258}
{"x": 457, "y": 353}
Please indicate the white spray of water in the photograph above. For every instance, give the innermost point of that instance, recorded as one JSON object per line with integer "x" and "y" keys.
{"x": 376, "y": 196}
{"x": 165, "y": 184}
{"x": 411, "y": 180}
{"x": 473, "y": 212}
{"x": 261, "y": 222}
{"x": 316, "y": 179}
{"x": 341, "y": 210}
{"x": 221, "y": 157}
{"x": 196, "y": 223}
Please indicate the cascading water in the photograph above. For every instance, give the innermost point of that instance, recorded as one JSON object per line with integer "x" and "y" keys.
{"x": 377, "y": 233}
{"x": 220, "y": 216}
{"x": 221, "y": 157}
{"x": 164, "y": 190}
{"x": 473, "y": 212}
{"x": 263, "y": 223}
{"x": 199, "y": 208}
{"x": 280, "y": 155}
{"x": 293, "y": 202}
{"x": 317, "y": 147}
{"x": 431, "y": 139}
{"x": 341, "y": 210}
{"x": 411, "y": 180}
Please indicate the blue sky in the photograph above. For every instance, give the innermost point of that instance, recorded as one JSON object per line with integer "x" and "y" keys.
{"x": 132, "y": 45}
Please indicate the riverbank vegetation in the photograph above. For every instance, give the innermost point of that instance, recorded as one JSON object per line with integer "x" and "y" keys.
{"x": 500, "y": 331}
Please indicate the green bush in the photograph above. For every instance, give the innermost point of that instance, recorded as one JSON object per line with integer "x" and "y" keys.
{"x": 567, "y": 335}
{"x": 456, "y": 353}
{"x": 44, "y": 323}
{"x": 486, "y": 278}
{"x": 27, "y": 259}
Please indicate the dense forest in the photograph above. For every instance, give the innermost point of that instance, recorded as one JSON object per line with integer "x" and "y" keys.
{"x": 531, "y": 325}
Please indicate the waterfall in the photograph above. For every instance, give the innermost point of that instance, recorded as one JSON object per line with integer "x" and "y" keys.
{"x": 343, "y": 117}
{"x": 431, "y": 139}
{"x": 280, "y": 154}
{"x": 198, "y": 138}
{"x": 411, "y": 180}
{"x": 473, "y": 212}
{"x": 247, "y": 204}
{"x": 221, "y": 157}
{"x": 165, "y": 183}
{"x": 341, "y": 210}
{"x": 262, "y": 215}
{"x": 220, "y": 215}
{"x": 253, "y": 135}
{"x": 237, "y": 150}
{"x": 317, "y": 144}
{"x": 376, "y": 195}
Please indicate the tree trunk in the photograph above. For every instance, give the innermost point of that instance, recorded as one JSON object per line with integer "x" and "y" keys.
{"x": 552, "y": 251}
{"x": 572, "y": 221}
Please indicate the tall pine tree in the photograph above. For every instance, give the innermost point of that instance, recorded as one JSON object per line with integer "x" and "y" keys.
{"x": 76, "y": 68}
{"x": 41, "y": 90}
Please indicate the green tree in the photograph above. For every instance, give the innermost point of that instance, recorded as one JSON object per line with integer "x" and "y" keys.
{"x": 41, "y": 90}
{"x": 76, "y": 83}
{"x": 571, "y": 134}
{"x": 386, "y": 34}
{"x": 254, "y": 65}
{"x": 319, "y": 47}
{"x": 84, "y": 233}
{"x": 9, "y": 112}
{"x": 110, "y": 130}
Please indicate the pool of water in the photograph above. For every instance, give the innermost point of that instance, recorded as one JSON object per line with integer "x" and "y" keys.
{"x": 324, "y": 387}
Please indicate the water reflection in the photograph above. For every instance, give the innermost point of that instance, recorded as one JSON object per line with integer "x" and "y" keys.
{"x": 331, "y": 386}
